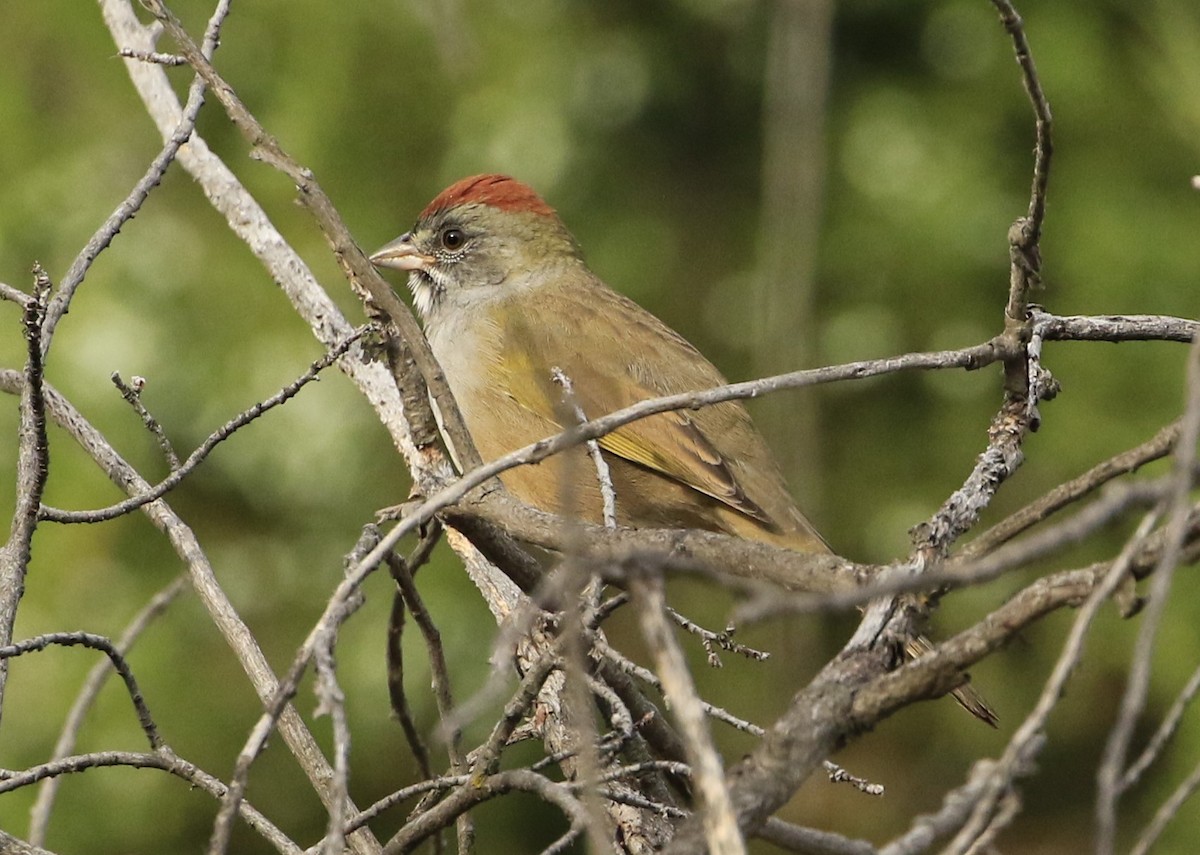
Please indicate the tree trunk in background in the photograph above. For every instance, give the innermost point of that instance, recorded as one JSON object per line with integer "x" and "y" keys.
{"x": 797, "y": 77}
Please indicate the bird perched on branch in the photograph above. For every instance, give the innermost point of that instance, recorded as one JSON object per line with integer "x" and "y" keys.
{"x": 511, "y": 309}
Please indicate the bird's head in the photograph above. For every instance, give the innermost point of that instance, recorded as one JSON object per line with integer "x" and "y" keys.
{"x": 483, "y": 237}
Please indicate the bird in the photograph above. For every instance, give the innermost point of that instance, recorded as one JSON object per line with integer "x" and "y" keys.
{"x": 530, "y": 340}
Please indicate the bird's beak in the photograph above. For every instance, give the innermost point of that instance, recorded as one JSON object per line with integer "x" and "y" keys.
{"x": 401, "y": 254}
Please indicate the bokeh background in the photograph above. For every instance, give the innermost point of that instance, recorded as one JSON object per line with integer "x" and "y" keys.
{"x": 785, "y": 194}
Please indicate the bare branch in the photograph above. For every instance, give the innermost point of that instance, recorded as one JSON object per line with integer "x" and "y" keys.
{"x": 216, "y": 438}
{"x": 838, "y": 775}
{"x": 711, "y": 640}
{"x": 345, "y": 600}
{"x": 721, "y": 833}
{"x": 13, "y": 846}
{"x": 13, "y": 295}
{"x": 40, "y": 814}
{"x": 358, "y": 270}
{"x": 607, "y": 491}
{"x": 132, "y": 203}
{"x": 440, "y": 671}
{"x": 1025, "y": 235}
{"x": 332, "y": 702}
{"x": 94, "y": 642}
{"x": 204, "y": 582}
{"x": 957, "y": 804}
{"x": 395, "y": 649}
{"x": 809, "y": 841}
{"x": 1166, "y": 731}
{"x": 249, "y": 221}
{"x": 1124, "y": 463}
{"x": 734, "y": 560}
{"x": 1114, "y": 328}
{"x": 163, "y": 759}
{"x": 167, "y": 59}
{"x": 486, "y": 788}
{"x": 1114, "y": 504}
{"x": 1134, "y": 699}
{"x": 432, "y": 785}
{"x": 1166, "y": 812}
{"x": 650, "y": 678}
{"x": 132, "y": 393}
{"x": 1027, "y": 741}
{"x": 32, "y": 467}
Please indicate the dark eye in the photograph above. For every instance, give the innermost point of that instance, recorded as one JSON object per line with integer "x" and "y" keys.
{"x": 453, "y": 238}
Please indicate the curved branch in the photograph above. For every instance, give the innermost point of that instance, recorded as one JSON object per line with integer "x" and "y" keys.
{"x": 464, "y": 798}
{"x": 105, "y": 646}
{"x": 225, "y": 617}
{"x": 163, "y": 759}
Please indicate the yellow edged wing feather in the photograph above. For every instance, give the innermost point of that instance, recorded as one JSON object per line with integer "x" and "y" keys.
{"x": 683, "y": 446}
{"x": 673, "y": 445}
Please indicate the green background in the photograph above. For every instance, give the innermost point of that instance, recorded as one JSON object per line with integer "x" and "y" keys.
{"x": 643, "y": 125}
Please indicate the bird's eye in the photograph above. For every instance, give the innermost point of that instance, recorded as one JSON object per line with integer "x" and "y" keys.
{"x": 453, "y": 238}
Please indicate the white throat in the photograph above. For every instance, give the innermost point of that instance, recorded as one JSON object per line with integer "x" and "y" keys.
{"x": 426, "y": 292}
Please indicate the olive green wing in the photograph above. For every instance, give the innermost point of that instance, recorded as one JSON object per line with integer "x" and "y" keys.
{"x": 682, "y": 445}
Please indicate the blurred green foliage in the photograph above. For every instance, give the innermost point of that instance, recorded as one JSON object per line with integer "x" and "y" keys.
{"x": 642, "y": 124}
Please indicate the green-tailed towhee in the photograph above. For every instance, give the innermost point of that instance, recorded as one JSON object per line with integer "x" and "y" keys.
{"x": 509, "y": 306}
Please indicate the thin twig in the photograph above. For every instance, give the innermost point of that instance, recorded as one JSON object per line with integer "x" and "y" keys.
{"x": 886, "y": 618}
{"x": 1111, "y": 770}
{"x": 170, "y": 60}
{"x": 649, "y": 677}
{"x": 838, "y": 775}
{"x": 332, "y": 702}
{"x": 13, "y": 295}
{"x": 1114, "y": 328}
{"x": 1166, "y": 812}
{"x": 487, "y": 756}
{"x": 105, "y": 646}
{"x": 1025, "y": 235}
{"x": 1063, "y": 495}
{"x": 357, "y": 268}
{"x": 608, "y": 493}
{"x": 205, "y": 448}
{"x": 564, "y": 842}
{"x": 1028, "y": 739}
{"x": 710, "y": 639}
{"x": 440, "y": 674}
{"x": 955, "y": 573}
{"x": 708, "y": 775}
{"x": 163, "y": 759}
{"x": 484, "y": 789}
{"x": 32, "y": 466}
{"x": 439, "y": 670}
{"x": 579, "y": 704}
{"x": 132, "y": 393}
{"x": 39, "y": 821}
{"x": 583, "y": 597}
{"x": 444, "y": 782}
{"x": 810, "y": 841}
{"x": 395, "y": 651}
{"x": 634, "y": 799}
{"x": 203, "y": 578}
{"x": 618, "y": 715}
{"x": 133, "y": 202}
{"x": 1163, "y": 736}
{"x": 345, "y": 601}
{"x": 957, "y": 804}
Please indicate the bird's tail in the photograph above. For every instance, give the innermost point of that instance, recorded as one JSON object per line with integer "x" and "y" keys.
{"x": 966, "y": 694}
